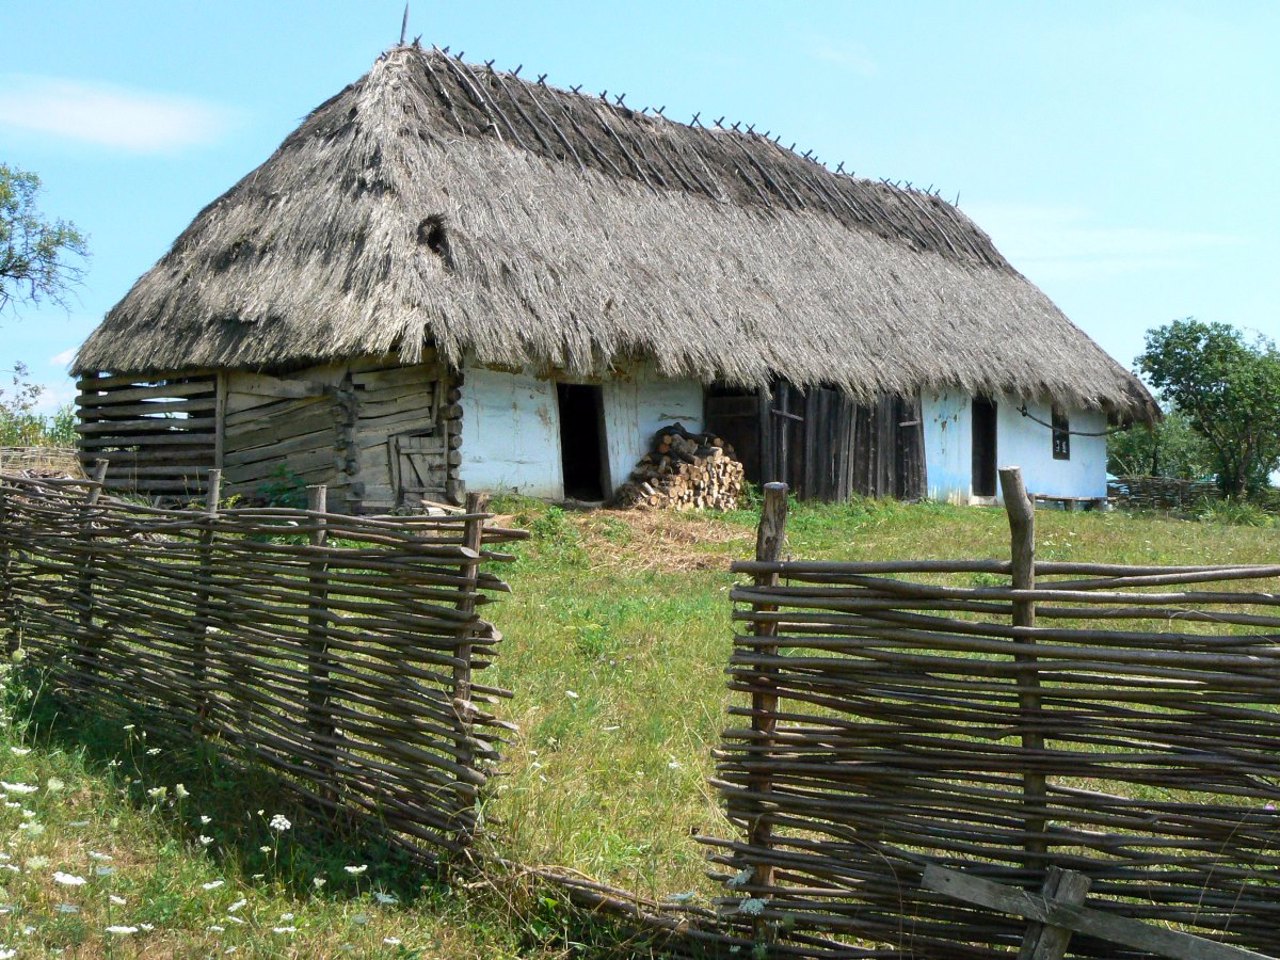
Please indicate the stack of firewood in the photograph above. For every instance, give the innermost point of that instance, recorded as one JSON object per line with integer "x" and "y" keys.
{"x": 684, "y": 471}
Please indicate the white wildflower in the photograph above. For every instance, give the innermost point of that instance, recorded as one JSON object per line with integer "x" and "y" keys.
{"x": 68, "y": 908}
{"x": 237, "y": 905}
{"x": 571, "y": 694}
{"x": 102, "y": 870}
{"x": 146, "y": 927}
{"x": 212, "y": 885}
{"x": 318, "y": 882}
{"x": 234, "y": 919}
{"x": 391, "y": 941}
{"x": 279, "y": 823}
{"x": 284, "y": 929}
{"x": 33, "y": 828}
{"x": 122, "y": 931}
{"x": 180, "y": 791}
{"x": 158, "y": 793}
{"x": 68, "y": 879}
{"x": 7, "y": 954}
{"x": 19, "y": 751}
{"x": 129, "y": 726}
{"x": 205, "y": 841}
{"x": 117, "y": 901}
{"x": 205, "y": 820}
{"x": 264, "y": 849}
{"x": 356, "y": 871}
{"x": 286, "y": 917}
{"x": 216, "y": 928}
{"x": 18, "y": 788}
{"x": 95, "y": 855}
{"x": 36, "y": 863}
{"x": 78, "y": 823}
{"x": 54, "y": 784}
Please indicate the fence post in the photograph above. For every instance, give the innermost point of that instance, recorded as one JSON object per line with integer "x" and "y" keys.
{"x": 203, "y": 605}
{"x": 1022, "y": 529}
{"x": 8, "y": 613}
{"x": 89, "y": 640}
{"x": 323, "y": 730}
{"x": 472, "y": 539}
{"x": 770, "y": 542}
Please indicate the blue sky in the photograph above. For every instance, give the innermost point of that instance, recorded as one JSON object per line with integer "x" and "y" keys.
{"x": 1124, "y": 156}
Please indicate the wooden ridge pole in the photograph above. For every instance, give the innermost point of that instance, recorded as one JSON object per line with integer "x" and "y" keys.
{"x": 771, "y": 539}
{"x": 319, "y": 721}
{"x": 1022, "y": 530}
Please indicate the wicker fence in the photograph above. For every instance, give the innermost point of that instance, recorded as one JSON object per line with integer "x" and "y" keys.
{"x": 1161, "y": 493}
{"x": 999, "y": 718}
{"x": 338, "y": 650}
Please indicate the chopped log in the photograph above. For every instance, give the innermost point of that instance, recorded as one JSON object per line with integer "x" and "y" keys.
{"x": 684, "y": 471}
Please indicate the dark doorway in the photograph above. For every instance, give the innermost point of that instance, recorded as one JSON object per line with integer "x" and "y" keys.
{"x": 984, "y": 447}
{"x": 582, "y": 441}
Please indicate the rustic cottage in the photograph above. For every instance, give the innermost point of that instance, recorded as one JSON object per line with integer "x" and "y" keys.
{"x": 449, "y": 277}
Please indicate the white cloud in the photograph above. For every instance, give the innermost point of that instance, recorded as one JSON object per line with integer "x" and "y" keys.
{"x": 843, "y": 53}
{"x": 138, "y": 120}
{"x": 1066, "y": 243}
{"x": 63, "y": 358}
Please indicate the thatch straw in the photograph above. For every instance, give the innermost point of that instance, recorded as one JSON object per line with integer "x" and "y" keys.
{"x": 434, "y": 201}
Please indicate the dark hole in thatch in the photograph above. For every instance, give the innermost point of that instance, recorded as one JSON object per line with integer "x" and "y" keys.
{"x": 431, "y": 232}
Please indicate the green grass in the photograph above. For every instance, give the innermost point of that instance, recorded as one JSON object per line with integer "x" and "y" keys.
{"x": 616, "y": 637}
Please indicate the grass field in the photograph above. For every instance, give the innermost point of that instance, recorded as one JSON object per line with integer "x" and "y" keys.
{"x": 616, "y": 636}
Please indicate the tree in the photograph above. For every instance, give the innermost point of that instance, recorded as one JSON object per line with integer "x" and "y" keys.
{"x": 39, "y": 259}
{"x": 1169, "y": 448}
{"x": 1229, "y": 390}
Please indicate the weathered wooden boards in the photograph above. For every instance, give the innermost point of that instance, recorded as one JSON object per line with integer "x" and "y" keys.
{"x": 914, "y": 712}
{"x": 381, "y": 435}
{"x": 1056, "y": 912}
{"x": 157, "y": 432}
{"x": 684, "y": 471}
{"x": 327, "y": 646}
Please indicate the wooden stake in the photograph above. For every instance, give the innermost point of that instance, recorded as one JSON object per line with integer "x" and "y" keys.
{"x": 90, "y": 639}
{"x": 203, "y": 613}
{"x": 323, "y": 730}
{"x": 8, "y": 613}
{"x": 770, "y": 545}
{"x": 1022, "y": 529}
{"x": 473, "y": 539}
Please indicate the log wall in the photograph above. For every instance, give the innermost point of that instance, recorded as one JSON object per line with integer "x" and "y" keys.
{"x": 382, "y": 436}
{"x": 158, "y": 432}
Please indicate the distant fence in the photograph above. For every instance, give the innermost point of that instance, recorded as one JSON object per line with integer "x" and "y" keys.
{"x": 41, "y": 459}
{"x": 997, "y": 718}
{"x": 338, "y": 650}
{"x": 1161, "y": 493}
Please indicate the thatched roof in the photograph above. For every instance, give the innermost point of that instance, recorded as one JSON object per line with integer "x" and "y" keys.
{"x": 434, "y": 201}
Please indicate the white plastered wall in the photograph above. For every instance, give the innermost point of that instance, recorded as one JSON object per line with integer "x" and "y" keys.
{"x": 511, "y": 425}
{"x": 1020, "y": 441}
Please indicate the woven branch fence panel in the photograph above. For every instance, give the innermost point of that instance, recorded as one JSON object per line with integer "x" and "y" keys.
{"x": 338, "y": 650}
{"x": 898, "y": 718}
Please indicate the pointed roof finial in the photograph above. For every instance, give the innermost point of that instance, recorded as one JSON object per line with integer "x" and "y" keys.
{"x": 404, "y": 24}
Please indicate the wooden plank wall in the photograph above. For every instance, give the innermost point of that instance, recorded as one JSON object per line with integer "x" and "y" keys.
{"x": 405, "y": 432}
{"x": 158, "y": 432}
{"x": 281, "y": 429}
{"x": 822, "y": 443}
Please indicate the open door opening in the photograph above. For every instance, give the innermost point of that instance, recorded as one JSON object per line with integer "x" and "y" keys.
{"x": 984, "y": 447}
{"x": 582, "y": 451}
